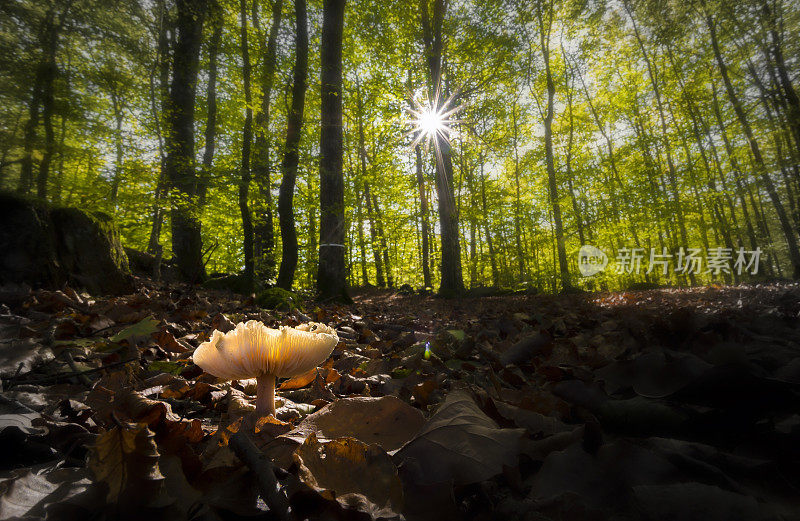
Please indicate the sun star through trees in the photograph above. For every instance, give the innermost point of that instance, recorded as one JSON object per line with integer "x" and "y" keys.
{"x": 432, "y": 121}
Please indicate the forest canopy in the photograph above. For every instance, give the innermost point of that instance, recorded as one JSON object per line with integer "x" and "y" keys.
{"x": 448, "y": 144}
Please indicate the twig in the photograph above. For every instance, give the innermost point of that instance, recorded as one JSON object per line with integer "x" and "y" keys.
{"x": 264, "y": 470}
{"x": 81, "y": 375}
{"x": 71, "y": 374}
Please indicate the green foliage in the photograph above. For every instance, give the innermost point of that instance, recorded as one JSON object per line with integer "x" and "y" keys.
{"x": 614, "y": 184}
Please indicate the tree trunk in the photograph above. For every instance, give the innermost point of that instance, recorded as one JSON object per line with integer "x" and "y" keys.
{"x": 373, "y": 228}
{"x": 790, "y": 94}
{"x": 568, "y": 160}
{"x": 331, "y": 277}
{"x": 35, "y": 107}
{"x": 361, "y": 241}
{"x": 373, "y": 232}
{"x": 29, "y": 140}
{"x": 180, "y": 164}
{"x": 791, "y": 239}
{"x": 452, "y": 281}
{"x": 751, "y": 234}
{"x": 210, "y": 136}
{"x": 116, "y": 103}
{"x": 544, "y": 38}
{"x": 264, "y": 228}
{"x": 159, "y": 111}
{"x": 423, "y": 209}
{"x": 291, "y": 155}
{"x": 487, "y": 231}
{"x": 383, "y": 245}
{"x": 50, "y": 72}
{"x": 517, "y": 197}
{"x": 247, "y": 139}
{"x": 9, "y": 144}
{"x": 673, "y": 176}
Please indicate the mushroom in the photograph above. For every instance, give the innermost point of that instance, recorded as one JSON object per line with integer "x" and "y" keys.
{"x": 252, "y": 350}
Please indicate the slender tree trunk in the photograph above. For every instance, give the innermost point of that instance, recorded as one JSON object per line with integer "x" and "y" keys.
{"x": 158, "y": 107}
{"x": 291, "y": 155}
{"x": 544, "y": 39}
{"x": 7, "y": 146}
{"x": 737, "y": 173}
{"x": 568, "y": 160}
{"x": 790, "y": 94}
{"x": 613, "y": 163}
{"x": 29, "y": 136}
{"x": 48, "y": 105}
{"x": 423, "y": 210}
{"x": 264, "y": 228}
{"x": 383, "y": 246}
{"x": 361, "y": 241}
{"x": 373, "y": 232}
{"x": 487, "y": 231}
{"x": 331, "y": 277}
{"x": 116, "y": 103}
{"x": 373, "y": 227}
{"x": 673, "y": 176}
{"x": 210, "y": 134}
{"x": 49, "y": 72}
{"x": 791, "y": 239}
{"x": 247, "y": 140}
{"x": 517, "y": 198}
{"x": 180, "y": 164}
{"x": 59, "y": 183}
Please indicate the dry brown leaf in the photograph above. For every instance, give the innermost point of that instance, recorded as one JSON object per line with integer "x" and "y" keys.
{"x": 459, "y": 444}
{"x": 347, "y": 465}
{"x": 299, "y": 381}
{"x": 167, "y": 342}
{"x": 387, "y": 421}
{"x": 126, "y": 459}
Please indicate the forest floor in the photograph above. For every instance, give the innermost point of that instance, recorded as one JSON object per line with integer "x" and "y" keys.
{"x": 663, "y": 404}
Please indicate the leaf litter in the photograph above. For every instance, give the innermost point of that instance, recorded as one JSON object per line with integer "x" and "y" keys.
{"x": 659, "y": 404}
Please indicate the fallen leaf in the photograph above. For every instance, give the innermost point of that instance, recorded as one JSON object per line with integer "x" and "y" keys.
{"x": 126, "y": 459}
{"x": 347, "y": 465}
{"x": 459, "y": 443}
{"x": 387, "y": 421}
{"x": 138, "y": 332}
{"x": 21, "y": 356}
{"x": 48, "y": 491}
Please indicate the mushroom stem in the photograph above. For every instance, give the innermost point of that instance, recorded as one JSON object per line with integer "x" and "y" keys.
{"x": 265, "y": 395}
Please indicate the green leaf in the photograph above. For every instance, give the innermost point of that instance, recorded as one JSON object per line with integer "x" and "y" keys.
{"x": 163, "y": 366}
{"x": 80, "y": 342}
{"x": 144, "y": 328}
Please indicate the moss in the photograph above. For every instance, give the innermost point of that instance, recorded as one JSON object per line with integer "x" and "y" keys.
{"x": 47, "y": 246}
{"x": 401, "y": 372}
{"x": 278, "y": 298}
{"x": 235, "y": 283}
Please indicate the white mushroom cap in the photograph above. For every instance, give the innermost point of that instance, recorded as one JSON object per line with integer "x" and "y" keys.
{"x": 252, "y": 350}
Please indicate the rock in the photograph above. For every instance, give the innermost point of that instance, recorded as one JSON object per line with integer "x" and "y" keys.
{"x": 46, "y": 247}
{"x": 90, "y": 250}
{"x": 27, "y": 244}
{"x": 140, "y": 261}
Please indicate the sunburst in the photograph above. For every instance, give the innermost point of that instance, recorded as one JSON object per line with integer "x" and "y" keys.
{"x": 432, "y": 121}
